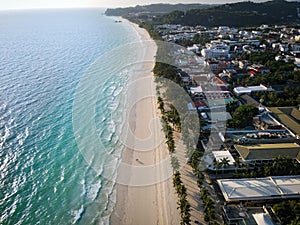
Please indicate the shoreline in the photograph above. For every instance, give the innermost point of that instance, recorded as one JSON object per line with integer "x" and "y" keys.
{"x": 147, "y": 204}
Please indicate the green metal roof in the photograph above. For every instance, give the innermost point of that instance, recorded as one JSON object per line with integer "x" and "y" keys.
{"x": 269, "y": 151}
{"x": 289, "y": 116}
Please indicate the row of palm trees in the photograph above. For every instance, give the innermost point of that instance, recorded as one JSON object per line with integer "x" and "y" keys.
{"x": 183, "y": 204}
{"x": 168, "y": 130}
{"x": 208, "y": 204}
{"x": 173, "y": 117}
{"x": 209, "y": 208}
{"x": 170, "y": 121}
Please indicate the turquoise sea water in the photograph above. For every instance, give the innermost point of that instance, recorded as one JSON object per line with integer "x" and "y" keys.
{"x": 44, "y": 54}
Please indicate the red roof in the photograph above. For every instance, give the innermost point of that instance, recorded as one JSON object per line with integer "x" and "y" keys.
{"x": 223, "y": 88}
{"x": 199, "y": 103}
{"x": 219, "y": 81}
{"x": 252, "y": 72}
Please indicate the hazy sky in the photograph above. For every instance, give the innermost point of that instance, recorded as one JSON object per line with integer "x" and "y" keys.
{"x": 21, "y": 4}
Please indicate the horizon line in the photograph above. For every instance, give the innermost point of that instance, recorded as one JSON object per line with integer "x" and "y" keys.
{"x": 134, "y": 5}
{"x": 55, "y": 7}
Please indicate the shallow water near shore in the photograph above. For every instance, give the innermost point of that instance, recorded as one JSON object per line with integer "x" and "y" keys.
{"x": 43, "y": 56}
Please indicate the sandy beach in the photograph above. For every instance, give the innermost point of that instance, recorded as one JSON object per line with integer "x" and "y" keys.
{"x": 141, "y": 200}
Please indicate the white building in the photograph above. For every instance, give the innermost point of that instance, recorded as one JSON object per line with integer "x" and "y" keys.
{"x": 215, "y": 50}
{"x": 250, "y": 89}
{"x": 250, "y": 189}
{"x": 219, "y": 155}
{"x": 195, "y": 48}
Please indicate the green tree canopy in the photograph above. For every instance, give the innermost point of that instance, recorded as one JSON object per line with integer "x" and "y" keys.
{"x": 243, "y": 116}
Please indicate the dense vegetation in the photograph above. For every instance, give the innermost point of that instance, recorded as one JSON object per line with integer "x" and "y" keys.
{"x": 290, "y": 96}
{"x": 281, "y": 166}
{"x": 282, "y": 76}
{"x": 238, "y": 14}
{"x": 243, "y": 116}
{"x": 288, "y": 212}
{"x": 153, "y": 9}
{"x": 166, "y": 71}
{"x": 154, "y": 35}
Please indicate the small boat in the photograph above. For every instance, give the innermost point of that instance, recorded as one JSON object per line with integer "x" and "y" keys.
{"x": 118, "y": 21}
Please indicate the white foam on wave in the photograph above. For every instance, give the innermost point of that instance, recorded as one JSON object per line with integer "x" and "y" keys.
{"x": 103, "y": 119}
{"x": 5, "y": 136}
{"x": 109, "y": 90}
{"x": 117, "y": 91}
{"x": 111, "y": 126}
{"x": 82, "y": 182}
{"x": 19, "y": 138}
{"x": 109, "y": 138}
{"x": 62, "y": 175}
{"x": 113, "y": 105}
{"x": 93, "y": 191}
{"x": 78, "y": 214}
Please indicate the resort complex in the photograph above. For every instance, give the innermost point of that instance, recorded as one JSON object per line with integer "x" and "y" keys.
{"x": 244, "y": 90}
{"x": 249, "y": 135}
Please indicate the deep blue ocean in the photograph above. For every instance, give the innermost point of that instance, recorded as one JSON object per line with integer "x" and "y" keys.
{"x": 44, "y": 55}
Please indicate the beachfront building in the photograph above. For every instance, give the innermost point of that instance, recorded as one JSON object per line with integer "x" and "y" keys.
{"x": 260, "y": 189}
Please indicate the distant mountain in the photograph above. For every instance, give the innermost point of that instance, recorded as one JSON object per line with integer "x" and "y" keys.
{"x": 237, "y": 14}
{"x": 153, "y": 9}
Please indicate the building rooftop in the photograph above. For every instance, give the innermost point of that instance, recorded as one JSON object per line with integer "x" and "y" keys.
{"x": 268, "y": 151}
{"x": 262, "y": 219}
{"x": 219, "y": 155}
{"x": 248, "y": 189}
{"x": 219, "y": 116}
{"x": 248, "y": 90}
{"x": 247, "y": 99}
{"x": 197, "y": 89}
{"x": 289, "y": 116}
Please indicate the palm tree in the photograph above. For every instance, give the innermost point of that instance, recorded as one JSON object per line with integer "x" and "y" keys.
{"x": 225, "y": 163}
{"x": 171, "y": 145}
{"x": 181, "y": 190}
{"x": 183, "y": 205}
{"x": 176, "y": 117}
{"x": 175, "y": 163}
{"x": 160, "y": 104}
{"x": 185, "y": 209}
{"x": 204, "y": 194}
{"x": 185, "y": 220}
{"x": 277, "y": 165}
{"x": 177, "y": 179}
{"x": 211, "y": 213}
{"x": 209, "y": 204}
